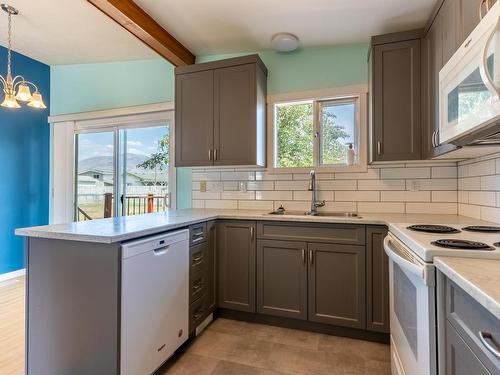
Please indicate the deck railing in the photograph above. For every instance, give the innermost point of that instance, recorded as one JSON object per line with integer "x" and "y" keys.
{"x": 134, "y": 205}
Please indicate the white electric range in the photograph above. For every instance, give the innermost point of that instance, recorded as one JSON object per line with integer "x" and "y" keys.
{"x": 412, "y": 284}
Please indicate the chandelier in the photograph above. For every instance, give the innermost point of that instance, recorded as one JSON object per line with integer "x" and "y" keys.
{"x": 17, "y": 88}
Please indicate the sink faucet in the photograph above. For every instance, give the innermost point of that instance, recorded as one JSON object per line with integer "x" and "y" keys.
{"x": 312, "y": 187}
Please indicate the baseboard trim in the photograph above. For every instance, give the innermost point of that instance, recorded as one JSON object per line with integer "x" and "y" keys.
{"x": 12, "y": 275}
{"x": 354, "y": 333}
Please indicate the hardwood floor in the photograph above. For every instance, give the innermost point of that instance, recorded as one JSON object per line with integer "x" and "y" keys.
{"x": 12, "y": 326}
{"x": 226, "y": 347}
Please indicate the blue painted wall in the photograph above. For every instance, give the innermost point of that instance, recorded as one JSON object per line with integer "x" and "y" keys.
{"x": 24, "y": 152}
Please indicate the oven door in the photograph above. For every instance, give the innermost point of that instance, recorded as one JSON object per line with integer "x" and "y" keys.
{"x": 469, "y": 83}
{"x": 412, "y": 310}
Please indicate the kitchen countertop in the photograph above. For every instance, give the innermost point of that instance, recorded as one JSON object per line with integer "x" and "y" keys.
{"x": 128, "y": 227}
{"x": 480, "y": 278}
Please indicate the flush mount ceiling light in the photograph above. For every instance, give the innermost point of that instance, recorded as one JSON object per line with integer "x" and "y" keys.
{"x": 10, "y": 85}
{"x": 285, "y": 42}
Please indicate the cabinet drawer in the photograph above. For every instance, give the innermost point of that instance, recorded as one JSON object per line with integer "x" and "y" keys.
{"x": 197, "y": 257}
{"x": 197, "y": 285}
{"x": 197, "y": 312}
{"x": 197, "y": 233}
{"x": 347, "y": 234}
{"x": 471, "y": 319}
{"x": 460, "y": 360}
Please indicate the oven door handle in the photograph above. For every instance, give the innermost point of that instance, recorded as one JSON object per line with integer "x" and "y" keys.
{"x": 408, "y": 264}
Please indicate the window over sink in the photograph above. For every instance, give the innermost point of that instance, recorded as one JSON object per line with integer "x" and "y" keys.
{"x": 316, "y": 132}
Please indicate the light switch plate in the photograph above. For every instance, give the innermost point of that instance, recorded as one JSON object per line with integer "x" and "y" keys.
{"x": 203, "y": 186}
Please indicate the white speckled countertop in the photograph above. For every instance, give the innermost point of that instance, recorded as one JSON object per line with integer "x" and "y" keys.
{"x": 480, "y": 278}
{"x": 128, "y": 227}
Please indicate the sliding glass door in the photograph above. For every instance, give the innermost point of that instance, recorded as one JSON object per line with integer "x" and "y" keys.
{"x": 131, "y": 163}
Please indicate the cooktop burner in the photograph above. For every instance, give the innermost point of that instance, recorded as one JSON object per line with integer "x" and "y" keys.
{"x": 462, "y": 244}
{"x": 482, "y": 228}
{"x": 430, "y": 228}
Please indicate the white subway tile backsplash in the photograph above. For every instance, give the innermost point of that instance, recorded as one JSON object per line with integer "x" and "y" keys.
{"x": 405, "y": 196}
{"x": 490, "y": 214}
{"x": 255, "y": 205}
{"x": 444, "y": 172}
{"x": 490, "y": 182}
{"x": 306, "y": 195}
{"x": 381, "y": 185}
{"x": 381, "y": 207}
{"x": 246, "y": 195}
{"x": 395, "y": 173}
{"x": 445, "y": 196}
{"x": 260, "y": 185}
{"x": 433, "y": 184}
{"x": 243, "y": 176}
{"x": 290, "y": 185}
{"x": 431, "y": 208}
{"x": 399, "y": 187}
{"x": 356, "y": 196}
{"x": 275, "y": 195}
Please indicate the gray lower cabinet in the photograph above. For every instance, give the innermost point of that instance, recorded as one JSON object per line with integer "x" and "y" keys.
{"x": 336, "y": 285}
{"x": 377, "y": 280}
{"x": 460, "y": 360}
{"x": 282, "y": 278}
{"x": 211, "y": 267}
{"x": 396, "y": 102}
{"x": 236, "y": 248}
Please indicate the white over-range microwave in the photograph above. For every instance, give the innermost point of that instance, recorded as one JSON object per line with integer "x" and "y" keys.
{"x": 469, "y": 87}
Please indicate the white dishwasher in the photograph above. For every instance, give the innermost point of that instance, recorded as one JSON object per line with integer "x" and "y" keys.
{"x": 154, "y": 301}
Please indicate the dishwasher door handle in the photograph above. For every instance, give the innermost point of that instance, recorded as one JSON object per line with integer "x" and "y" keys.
{"x": 161, "y": 250}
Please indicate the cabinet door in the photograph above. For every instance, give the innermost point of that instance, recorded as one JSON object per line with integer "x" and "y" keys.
{"x": 377, "y": 280}
{"x": 396, "y": 101}
{"x": 211, "y": 268}
{"x": 451, "y": 19}
{"x": 432, "y": 62}
{"x": 236, "y": 265}
{"x": 469, "y": 17}
{"x": 235, "y": 115}
{"x": 460, "y": 360}
{"x": 336, "y": 284}
{"x": 282, "y": 278}
{"x": 194, "y": 119}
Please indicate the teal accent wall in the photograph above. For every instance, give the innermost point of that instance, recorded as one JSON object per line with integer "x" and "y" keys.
{"x": 311, "y": 68}
{"x": 92, "y": 87}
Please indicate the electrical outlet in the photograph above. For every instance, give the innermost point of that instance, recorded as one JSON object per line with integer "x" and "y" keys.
{"x": 243, "y": 186}
{"x": 414, "y": 185}
{"x": 203, "y": 186}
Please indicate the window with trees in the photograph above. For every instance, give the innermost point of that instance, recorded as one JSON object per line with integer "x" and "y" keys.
{"x": 316, "y": 133}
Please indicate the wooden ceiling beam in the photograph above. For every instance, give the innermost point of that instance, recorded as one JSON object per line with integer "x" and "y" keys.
{"x": 133, "y": 18}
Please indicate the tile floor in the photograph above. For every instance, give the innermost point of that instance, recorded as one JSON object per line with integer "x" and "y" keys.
{"x": 227, "y": 347}
{"x": 240, "y": 348}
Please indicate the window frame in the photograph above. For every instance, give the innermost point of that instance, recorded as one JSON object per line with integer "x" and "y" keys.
{"x": 319, "y": 98}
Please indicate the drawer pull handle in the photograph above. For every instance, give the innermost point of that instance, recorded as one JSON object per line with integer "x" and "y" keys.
{"x": 198, "y": 237}
{"x": 197, "y": 260}
{"x": 486, "y": 337}
{"x": 197, "y": 286}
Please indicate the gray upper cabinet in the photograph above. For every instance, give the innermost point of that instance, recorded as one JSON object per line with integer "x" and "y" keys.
{"x": 450, "y": 14}
{"x": 220, "y": 113}
{"x": 396, "y": 109}
{"x": 377, "y": 280}
{"x": 337, "y": 284}
{"x": 236, "y": 258}
{"x": 282, "y": 278}
{"x": 469, "y": 17}
{"x": 195, "y": 111}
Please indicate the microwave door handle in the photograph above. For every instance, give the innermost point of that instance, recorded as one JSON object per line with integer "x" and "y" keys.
{"x": 485, "y": 73}
{"x": 414, "y": 268}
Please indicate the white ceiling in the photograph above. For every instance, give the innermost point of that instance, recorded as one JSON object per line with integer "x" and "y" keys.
{"x": 73, "y": 31}
{"x": 68, "y": 32}
{"x": 223, "y": 26}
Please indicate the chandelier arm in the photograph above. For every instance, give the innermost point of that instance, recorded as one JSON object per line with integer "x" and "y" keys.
{"x": 3, "y": 81}
{"x": 14, "y": 83}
